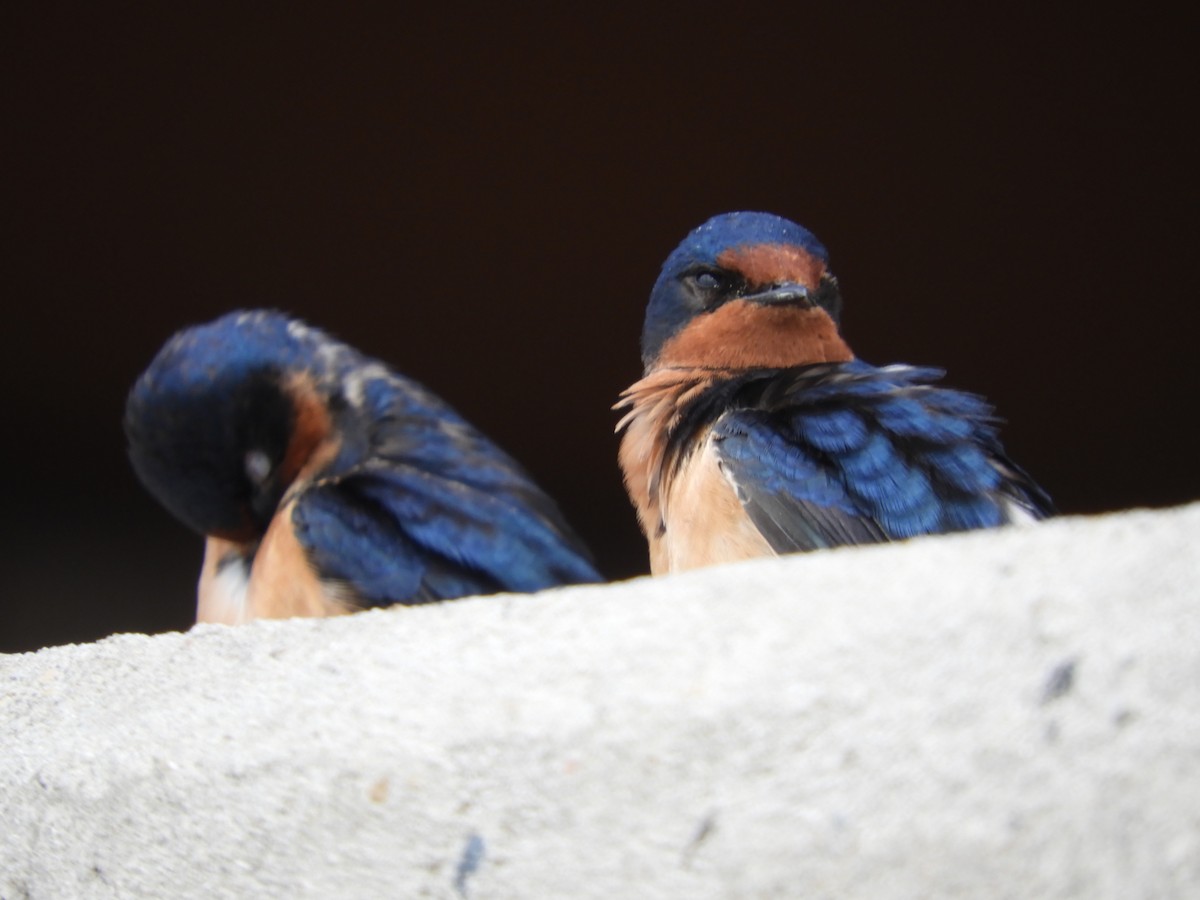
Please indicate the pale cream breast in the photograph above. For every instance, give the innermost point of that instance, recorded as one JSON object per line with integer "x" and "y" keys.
{"x": 690, "y": 514}
{"x": 239, "y": 583}
{"x": 704, "y": 522}
{"x": 282, "y": 583}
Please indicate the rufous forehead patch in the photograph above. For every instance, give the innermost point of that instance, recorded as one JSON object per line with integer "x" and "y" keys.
{"x": 765, "y": 264}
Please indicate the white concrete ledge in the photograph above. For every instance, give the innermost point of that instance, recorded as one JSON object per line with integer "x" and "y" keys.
{"x": 1008, "y": 714}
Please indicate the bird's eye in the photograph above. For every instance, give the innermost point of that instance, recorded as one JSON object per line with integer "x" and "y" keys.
{"x": 709, "y": 281}
{"x": 258, "y": 467}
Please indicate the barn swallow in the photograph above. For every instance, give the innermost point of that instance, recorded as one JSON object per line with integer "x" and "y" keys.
{"x": 755, "y": 431}
{"x": 324, "y": 482}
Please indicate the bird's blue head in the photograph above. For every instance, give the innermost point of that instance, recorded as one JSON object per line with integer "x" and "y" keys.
{"x": 742, "y": 290}
{"x": 226, "y": 415}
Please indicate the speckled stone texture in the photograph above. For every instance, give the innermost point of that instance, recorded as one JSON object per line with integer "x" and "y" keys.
{"x": 1005, "y": 714}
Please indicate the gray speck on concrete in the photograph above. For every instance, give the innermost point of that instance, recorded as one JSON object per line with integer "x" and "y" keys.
{"x": 468, "y": 863}
{"x": 1059, "y": 682}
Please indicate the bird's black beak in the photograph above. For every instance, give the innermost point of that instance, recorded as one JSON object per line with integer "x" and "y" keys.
{"x": 787, "y": 294}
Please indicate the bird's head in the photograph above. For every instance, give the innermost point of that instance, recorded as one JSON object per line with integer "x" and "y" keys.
{"x": 744, "y": 290}
{"x": 225, "y": 418}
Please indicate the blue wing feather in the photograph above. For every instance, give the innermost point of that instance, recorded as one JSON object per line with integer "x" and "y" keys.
{"x": 351, "y": 540}
{"x": 419, "y": 506}
{"x": 488, "y": 531}
{"x": 794, "y": 500}
{"x": 850, "y": 453}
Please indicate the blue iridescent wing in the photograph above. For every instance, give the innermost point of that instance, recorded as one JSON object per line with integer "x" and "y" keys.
{"x": 354, "y": 541}
{"x": 421, "y": 506}
{"x": 854, "y": 454}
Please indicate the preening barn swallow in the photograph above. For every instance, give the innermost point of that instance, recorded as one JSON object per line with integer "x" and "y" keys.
{"x": 324, "y": 482}
{"x": 755, "y": 431}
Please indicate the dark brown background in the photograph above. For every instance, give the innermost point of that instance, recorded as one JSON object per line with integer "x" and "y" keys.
{"x": 484, "y": 203}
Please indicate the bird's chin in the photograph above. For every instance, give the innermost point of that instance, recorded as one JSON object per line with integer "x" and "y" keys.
{"x": 743, "y": 334}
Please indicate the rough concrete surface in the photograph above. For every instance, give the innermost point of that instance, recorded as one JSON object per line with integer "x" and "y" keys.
{"x": 1007, "y": 714}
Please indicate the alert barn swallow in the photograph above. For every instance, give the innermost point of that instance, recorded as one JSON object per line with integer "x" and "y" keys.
{"x": 324, "y": 482}
{"x": 755, "y": 431}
